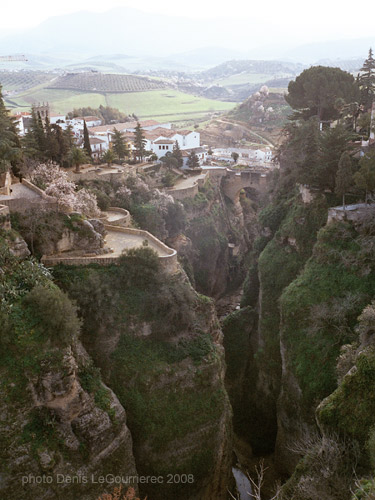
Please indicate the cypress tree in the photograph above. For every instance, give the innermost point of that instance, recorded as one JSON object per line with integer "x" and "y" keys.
{"x": 139, "y": 142}
{"x": 86, "y": 140}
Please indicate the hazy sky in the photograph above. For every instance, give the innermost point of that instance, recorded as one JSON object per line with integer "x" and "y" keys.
{"x": 320, "y": 19}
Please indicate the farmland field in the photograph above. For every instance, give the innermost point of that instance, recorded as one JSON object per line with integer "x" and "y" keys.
{"x": 23, "y": 80}
{"x": 101, "y": 82}
{"x": 158, "y": 104}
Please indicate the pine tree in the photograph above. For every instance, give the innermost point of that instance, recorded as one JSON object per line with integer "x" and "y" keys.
{"x": 119, "y": 146}
{"x": 63, "y": 145}
{"x": 365, "y": 177}
{"x": 10, "y": 152}
{"x": 139, "y": 142}
{"x": 177, "y": 154}
{"x": 86, "y": 140}
{"x": 193, "y": 160}
{"x": 367, "y": 81}
{"x": 52, "y": 146}
{"x": 344, "y": 176}
{"x": 69, "y": 137}
{"x": 35, "y": 140}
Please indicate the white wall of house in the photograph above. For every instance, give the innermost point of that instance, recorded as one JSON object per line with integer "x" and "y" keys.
{"x": 161, "y": 149}
{"x": 191, "y": 141}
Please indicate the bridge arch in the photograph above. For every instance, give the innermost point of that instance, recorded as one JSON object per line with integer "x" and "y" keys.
{"x": 234, "y": 182}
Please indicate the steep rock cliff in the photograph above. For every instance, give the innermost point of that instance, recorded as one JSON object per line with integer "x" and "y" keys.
{"x": 159, "y": 347}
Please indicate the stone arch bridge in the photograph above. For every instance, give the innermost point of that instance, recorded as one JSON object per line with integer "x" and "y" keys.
{"x": 235, "y": 181}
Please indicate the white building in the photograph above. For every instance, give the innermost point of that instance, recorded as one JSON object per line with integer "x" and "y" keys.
{"x": 91, "y": 121}
{"x": 98, "y": 147}
{"x": 160, "y": 140}
{"x": 200, "y": 152}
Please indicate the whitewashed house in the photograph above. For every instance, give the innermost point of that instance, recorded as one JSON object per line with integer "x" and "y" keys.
{"x": 98, "y": 147}
{"x": 91, "y": 121}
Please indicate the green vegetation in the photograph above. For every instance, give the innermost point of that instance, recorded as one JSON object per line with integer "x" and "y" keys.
{"x": 144, "y": 370}
{"x": 163, "y": 105}
{"x": 281, "y": 261}
{"x": 316, "y": 90}
{"x": 320, "y": 307}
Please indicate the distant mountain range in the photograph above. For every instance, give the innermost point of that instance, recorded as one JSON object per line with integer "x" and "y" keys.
{"x": 128, "y": 39}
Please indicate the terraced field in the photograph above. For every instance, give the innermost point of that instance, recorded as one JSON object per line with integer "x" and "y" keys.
{"x": 108, "y": 83}
{"x": 23, "y": 80}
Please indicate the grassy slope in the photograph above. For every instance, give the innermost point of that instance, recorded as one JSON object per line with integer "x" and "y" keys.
{"x": 170, "y": 104}
{"x": 242, "y": 78}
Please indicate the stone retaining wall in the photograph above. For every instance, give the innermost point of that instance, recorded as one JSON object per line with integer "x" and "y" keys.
{"x": 124, "y": 221}
{"x": 24, "y": 204}
{"x": 169, "y": 262}
{"x": 191, "y": 191}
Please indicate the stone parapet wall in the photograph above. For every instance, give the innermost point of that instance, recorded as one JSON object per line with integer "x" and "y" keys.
{"x": 124, "y": 221}
{"x": 24, "y": 204}
{"x": 191, "y": 191}
{"x": 169, "y": 262}
{"x": 181, "y": 194}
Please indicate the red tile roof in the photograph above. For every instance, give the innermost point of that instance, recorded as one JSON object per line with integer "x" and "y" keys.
{"x": 164, "y": 141}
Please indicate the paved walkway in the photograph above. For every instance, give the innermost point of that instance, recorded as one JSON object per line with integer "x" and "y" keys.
{"x": 189, "y": 182}
{"x": 119, "y": 242}
{"x": 21, "y": 191}
{"x": 113, "y": 216}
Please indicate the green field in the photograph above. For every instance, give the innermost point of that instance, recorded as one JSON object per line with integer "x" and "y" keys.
{"x": 250, "y": 78}
{"x": 159, "y": 104}
{"x": 243, "y": 78}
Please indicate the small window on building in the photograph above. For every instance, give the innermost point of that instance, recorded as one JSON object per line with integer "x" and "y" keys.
{"x": 159, "y": 147}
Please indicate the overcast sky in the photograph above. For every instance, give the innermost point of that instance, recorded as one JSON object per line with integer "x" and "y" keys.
{"x": 309, "y": 21}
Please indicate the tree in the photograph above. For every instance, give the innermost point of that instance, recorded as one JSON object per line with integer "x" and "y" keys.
{"x": 333, "y": 143}
{"x": 365, "y": 177}
{"x": 193, "y": 160}
{"x": 169, "y": 160}
{"x": 316, "y": 90}
{"x": 344, "y": 176}
{"x": 119, "y": 145}
{"x": 109, "y": 157}
{"x": 78, "y": 157}
{"x": 10, "y": 151}
{"x": 139, "y": 142}
{"x": 235, "y": 156}
{"x": 52, "y": 146}
{"x": 35, "y": 139}
{"x": 366, "y": 81}
{"x": 177, "y": 154}
{"x": 86, "y": 140}
{"x": 54, "y": 181}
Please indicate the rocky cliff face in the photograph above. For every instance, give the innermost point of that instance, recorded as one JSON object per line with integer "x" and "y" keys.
{"x": 64, "y": 433}
{"x": 159, "y": 347}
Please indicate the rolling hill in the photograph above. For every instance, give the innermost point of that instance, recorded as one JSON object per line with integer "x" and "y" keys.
{"x": 108, "y": 83}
